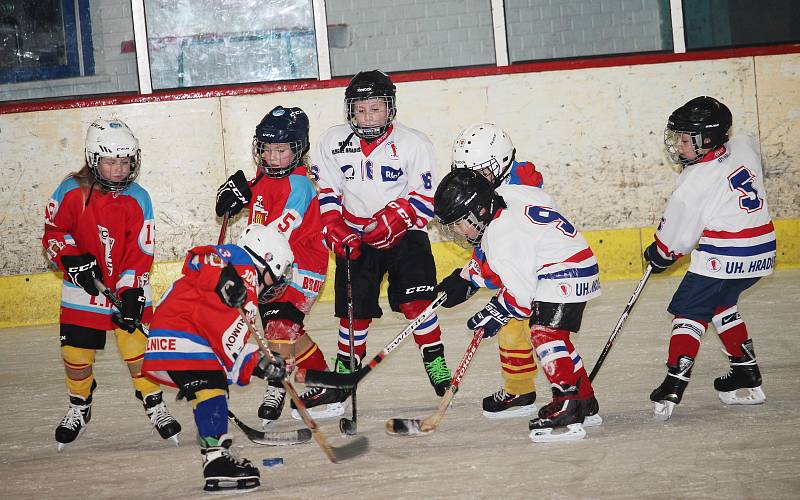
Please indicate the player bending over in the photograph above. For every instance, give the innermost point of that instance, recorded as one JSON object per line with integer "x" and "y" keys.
{"x": 198, "y": 340}
{"x": 719, "y": 213}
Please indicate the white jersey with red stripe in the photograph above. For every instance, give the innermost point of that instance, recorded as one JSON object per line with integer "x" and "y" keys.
{"x": 534, "y": 253}
{"x": 360, "y": 178}
{"x": 719, "y": 212}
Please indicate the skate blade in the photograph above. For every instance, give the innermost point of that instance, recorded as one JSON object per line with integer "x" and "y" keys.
{"x": 231, "y": 487}
{"x": 513, "y": 412}
{"x": 332, "y": 410}
{"x": 593, "y": 420}
{"x": 405, "y": 427}
{"x": 754, "y": 396}
{"x": 575, "y": 432}
{"x": 662, "y": 411}
{"x": 60, "y": 447}
{"x": 175, "y": 440}
{"x": 265, "y": 422}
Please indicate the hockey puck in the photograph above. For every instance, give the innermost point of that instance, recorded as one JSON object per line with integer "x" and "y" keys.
{"x": 272, "y": 462}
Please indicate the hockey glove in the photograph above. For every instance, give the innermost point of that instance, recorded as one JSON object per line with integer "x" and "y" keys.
{"x": 339, "y": 235}
{"x": 129, "y": 317}
{"x": 233, "y": 195}
{"x": 270, "y": 370}
{"x": 82, "y": 270}
{"x": 390, "y": 224}
{"x": 491, "y": 318}
{"x": 658, "y": 262}
{"x": 281, "y": 310}
{"x": 458, "y": 289}
{"x": 230, "y": 287}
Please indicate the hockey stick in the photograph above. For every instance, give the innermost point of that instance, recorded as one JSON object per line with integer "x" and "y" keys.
{"x": 223, "y": 229}
{"x": 350, "y": 426}
{"x": 354, "y": 448}
{"x": 335, "y": 380}
{"x": 621, "y": 321}
{"x": 267, "y": 438}
{"x": 416, "y": 427}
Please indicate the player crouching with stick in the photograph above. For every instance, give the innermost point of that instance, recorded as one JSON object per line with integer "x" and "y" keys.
{"x": 198, "y": 340}
{"x": 551, "y": 285}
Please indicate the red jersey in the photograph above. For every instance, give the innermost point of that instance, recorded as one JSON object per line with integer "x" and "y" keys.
{"x": 118, "y": 229}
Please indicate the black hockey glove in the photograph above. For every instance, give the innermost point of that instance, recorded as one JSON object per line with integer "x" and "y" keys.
{"x": 233, "y": 195}
{"x": 230, "y": 287}
{"x": 281, "y": 310}
{"x": 270, "y": 370}
{"x": 491, "y": 318}
{"x": 458, "y": 289}
{"x": 658, "y": 262}
{"x": 82, "y": 270}
{"x": 129, "y": 317}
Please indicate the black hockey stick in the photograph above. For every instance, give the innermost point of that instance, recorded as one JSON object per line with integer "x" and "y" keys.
{"x": 416, "y": 427}
{"x": 350, "y": 426}
{"x": 267, "y": 438}
{"x": 352, "y": 449}
{"x": 621, "y": 321}
{"x": 335, "y": 380}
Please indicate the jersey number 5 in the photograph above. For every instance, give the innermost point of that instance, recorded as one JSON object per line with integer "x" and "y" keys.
{"x": 742, "y": 180}
{"x": 546, "y": 215}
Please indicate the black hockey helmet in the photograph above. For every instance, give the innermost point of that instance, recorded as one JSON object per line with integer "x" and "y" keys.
{"x": 368, "y": 85}
{"x": 279, "y": 126}
{"x": 465, "y": 194}
{"x": 706, "y": 120}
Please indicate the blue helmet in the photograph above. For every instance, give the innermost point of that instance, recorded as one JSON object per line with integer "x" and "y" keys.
{"x": 279, "y": 126}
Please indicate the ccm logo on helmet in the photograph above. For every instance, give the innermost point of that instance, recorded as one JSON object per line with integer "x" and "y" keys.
{"x": 417, "y": 289}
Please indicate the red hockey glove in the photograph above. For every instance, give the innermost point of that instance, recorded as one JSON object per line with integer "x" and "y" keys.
{"x": 390, "y": 224}
{"x": 339, "y": 235}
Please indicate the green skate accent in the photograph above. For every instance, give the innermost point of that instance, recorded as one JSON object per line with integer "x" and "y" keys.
{"x": 437, "y": 370}
{"x": 209, "y": 441}
{"x": 341, "y": 367}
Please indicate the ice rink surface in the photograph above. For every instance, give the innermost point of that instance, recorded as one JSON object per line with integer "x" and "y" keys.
{"x": 707, "y": 450}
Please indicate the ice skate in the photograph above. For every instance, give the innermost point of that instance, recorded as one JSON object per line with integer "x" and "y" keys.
{"x": 566, "y": 410}
{"x": 742, "y": 384}
{"x": 502, "y": 404}
{"x": 322, "y": 403}
{"x": 160, "y": 417}
{"x": 272, "y": 405}
{"x": 75, "y": 421}
{"x": 436, "y": 367}
{"x": 670, "y": 392}
{"x": 593, "y": 418}
{"x": 223, "y": 471}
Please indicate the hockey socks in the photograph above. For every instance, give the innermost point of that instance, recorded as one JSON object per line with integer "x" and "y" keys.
{"x": 685, "y": 339}
{"x": 360, "y": 330}
{"x": 731, "y": 329}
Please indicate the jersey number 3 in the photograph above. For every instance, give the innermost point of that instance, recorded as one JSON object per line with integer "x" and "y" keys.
{"x": 742, "y": 180}
{"x": 546, "y": 215}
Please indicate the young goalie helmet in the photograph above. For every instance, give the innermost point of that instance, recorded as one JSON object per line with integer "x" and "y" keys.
{"x": 484, "y": 146}
{"x": 465, "y": 194}
{"x": 112, "y": 139}
{"x": 705, "y": 120}
{"x": 367, "y": 85}
{"x": 281, "y": 126}
{"x": 272, "y": 256}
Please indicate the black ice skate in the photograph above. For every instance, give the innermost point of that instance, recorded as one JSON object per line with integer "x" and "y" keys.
{"x": 162, "y": 420}
{"x": 503, "y": 404}
{"x": 743, "y": 374}
{"x": 224, "y": 472}
{"x": 272, "y": 405}
{"x": 566, "y": 410}
{"x": 670, "y": 392}
{"x": 75, "y": 421}
{"x": 435, "y": 366}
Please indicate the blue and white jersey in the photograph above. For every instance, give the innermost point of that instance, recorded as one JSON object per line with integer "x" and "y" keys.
{"x": 719, "y": 212}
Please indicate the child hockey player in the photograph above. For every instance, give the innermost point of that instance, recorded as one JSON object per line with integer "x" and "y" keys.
{"x": 198, "y": 340}
{"x": 720, "y": 203}
{"x": 99, "y": 225}
{"x": 282, "y": 195}
{"x": 550, "y": 284}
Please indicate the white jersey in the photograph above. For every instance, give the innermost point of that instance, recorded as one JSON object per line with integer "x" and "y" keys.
{"x": 535, "y": 252}
{"x": 722, "y": 203}
{"x": 361, "y": 182}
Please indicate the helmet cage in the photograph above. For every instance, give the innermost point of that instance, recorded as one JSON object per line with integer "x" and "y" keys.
{"x": 281, "y": 126}
{"x": 279, "y": 283}
{"x": 673, "y": 137}
{"x": 299, "y": 148}
{"x": 374, "y": 131}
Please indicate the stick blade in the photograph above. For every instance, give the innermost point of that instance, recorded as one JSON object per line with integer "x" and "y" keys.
{"x": 354, "y": 448}
{"x": 271, "y": 438}
{"x": 405, "y": 427}
{"x": 333, "y": 380}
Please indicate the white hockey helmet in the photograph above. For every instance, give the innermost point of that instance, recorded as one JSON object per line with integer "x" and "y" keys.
{"x": 272, "y": 256}
{"x": 484, "y": 146}
{"x": 112, "y": 139}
